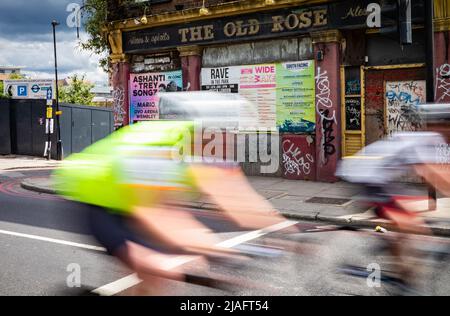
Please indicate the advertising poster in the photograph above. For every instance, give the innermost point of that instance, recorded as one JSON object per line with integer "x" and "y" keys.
{"x": 295, "y": 97}
{"x": 283, "y": 94}
{"x": 224, "y": 79}
{"x": 257, "y": 84}
{"x": 144, "y": 89}
{"x": 28, "y": 89}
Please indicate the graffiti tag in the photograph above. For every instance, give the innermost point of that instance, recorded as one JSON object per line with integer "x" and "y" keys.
{"x": 402, "y": 100}
{"x": 294, "y": 161}
{"x": 119, "y": 111}
{"x": 443, "y": 83}
{"x": 327, "y": 115}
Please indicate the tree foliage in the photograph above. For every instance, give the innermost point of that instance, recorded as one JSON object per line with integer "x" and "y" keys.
{"x": 2, "y": 96}
{"x": 77, "y": 92}
{"x": 16, "y": 76}
{"x": 95, "y": 17}
{"x": 95, "y": 14}
{"x": 11, "y": 77}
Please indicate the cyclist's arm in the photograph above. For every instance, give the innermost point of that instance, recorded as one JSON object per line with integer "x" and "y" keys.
{"x": 230, "y": 190}
{"x": 438, "y": 175}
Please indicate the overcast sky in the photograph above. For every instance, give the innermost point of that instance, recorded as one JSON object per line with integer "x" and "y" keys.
{"x": 26, "y": 40}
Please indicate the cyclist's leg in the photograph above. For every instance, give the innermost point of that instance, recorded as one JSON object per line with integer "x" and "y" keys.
{"x": 385, "y": 208}
{"x": 178, "y": 229}
{"x": 402, "y": 248}
{"x": 115, "y": 235}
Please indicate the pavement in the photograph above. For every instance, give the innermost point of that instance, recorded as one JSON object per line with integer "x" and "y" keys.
{"x": 335, "y": 203}
{"x": 14, "y": 162}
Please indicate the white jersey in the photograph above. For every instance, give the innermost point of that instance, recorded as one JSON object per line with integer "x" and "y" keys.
{"x": 387, "y": 160}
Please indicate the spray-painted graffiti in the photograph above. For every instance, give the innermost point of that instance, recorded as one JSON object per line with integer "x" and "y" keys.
{"x": 352, "y": 87}
{"x": 353, "y": 114}
{"x": 295, "y": 163}
{"x": 443, "y": 83}
{"x": 354, "y": 117}
{"x": 443, "y": 156}
{"x": 324, "y": 107}
{"x": 119, "y": 111}
{"x": 443, "y": 153}
{"x": 402, "y": 99}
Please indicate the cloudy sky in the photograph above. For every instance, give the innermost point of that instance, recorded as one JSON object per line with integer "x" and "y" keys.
{"x": 26, "y": 40}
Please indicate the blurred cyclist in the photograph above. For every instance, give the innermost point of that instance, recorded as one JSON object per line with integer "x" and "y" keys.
{"x": 378, "y": 165}
{"x": 131, "y": 182}
{"x": 437, "y": 171}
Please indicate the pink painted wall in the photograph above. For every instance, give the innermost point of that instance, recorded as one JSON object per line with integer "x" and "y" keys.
{"x": 191, "y": 67}
{"x": 442, "y": 64}
{"x": 298, "y": 157}
{"x": 119, "y": 78}
{"x": 328, "y": 111}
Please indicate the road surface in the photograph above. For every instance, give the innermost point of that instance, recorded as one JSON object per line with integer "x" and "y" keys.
{"x": 44, "y": 239}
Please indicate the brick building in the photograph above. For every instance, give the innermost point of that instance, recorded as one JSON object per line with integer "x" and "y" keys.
{"x": 338, "y": 73}
{"x": 7, "y": 71}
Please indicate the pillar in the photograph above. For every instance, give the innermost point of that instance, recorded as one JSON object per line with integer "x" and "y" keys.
{"x": 442, "y": 64}
{"x": 191, "y": 65}
{"x": 120, "y": 75}
{"x": 327, "y": 46}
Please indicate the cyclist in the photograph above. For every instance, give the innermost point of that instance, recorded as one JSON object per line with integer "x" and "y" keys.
{"x": 130, "y": 182}
{"x": 378, "y": 165}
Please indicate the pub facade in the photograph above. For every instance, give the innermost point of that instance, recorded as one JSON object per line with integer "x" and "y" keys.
{"x": 327, "y": 77}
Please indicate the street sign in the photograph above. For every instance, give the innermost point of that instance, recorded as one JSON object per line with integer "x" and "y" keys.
{"x": 49, "y": 97}
{"x": 22, "y": 91}
{"x": 49, "y": 93}
{"x": 28, "y": 89}
{"x": 35, "y": 88}
{"x": 49, "y": 112}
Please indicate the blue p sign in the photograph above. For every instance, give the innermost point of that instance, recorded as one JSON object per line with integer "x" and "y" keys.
{"x": 22, "y": 91}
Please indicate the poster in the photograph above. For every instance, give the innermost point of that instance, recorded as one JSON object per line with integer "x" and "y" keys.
{"x": 28, "y": 89}
{"x": 257, "y": 84}
{"x": 144, "y": 89}
{"x": 283, "y": 94}
{"x": 296, "y": 91}
{"x": 402, "y": 99}
{"x": 224, "y": 79}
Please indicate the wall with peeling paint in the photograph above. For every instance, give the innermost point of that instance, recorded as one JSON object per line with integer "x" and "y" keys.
{"x": 258, "y": 52}
{"x": 375, "y": 97}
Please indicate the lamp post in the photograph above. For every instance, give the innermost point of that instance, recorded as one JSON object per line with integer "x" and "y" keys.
{"x": 59, "y": 149}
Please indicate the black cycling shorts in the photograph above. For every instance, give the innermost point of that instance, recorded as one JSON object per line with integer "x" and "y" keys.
{"x": 113, "y": 231}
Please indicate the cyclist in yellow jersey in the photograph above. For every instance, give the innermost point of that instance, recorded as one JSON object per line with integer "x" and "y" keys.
{"x": 130, "y": 181}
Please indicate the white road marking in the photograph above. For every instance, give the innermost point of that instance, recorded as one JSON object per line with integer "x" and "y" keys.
{"x": 52, "y": 240}
{"x": 118, "y": 286}
{"x": 255, "y": 234}
{"x": 132, "y": 280}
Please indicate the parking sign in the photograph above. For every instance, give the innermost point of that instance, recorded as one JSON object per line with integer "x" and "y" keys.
{"x": 22, "y": 91}
{"x": 28, "y": 89}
